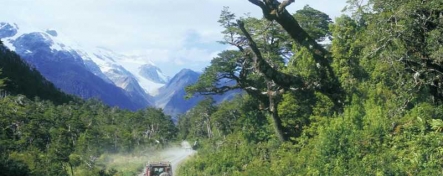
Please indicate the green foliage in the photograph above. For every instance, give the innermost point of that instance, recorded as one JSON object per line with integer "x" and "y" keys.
{"x": 295, "y": 110}
{"x": 2, "y": 80}
{"x": 408, "y": 33}
{"x": 314, "y": 22}
{"x": 387, "y": 56}
{"x": 347, "y": 49}
{"x": 40, "y": 138}
{"x": 224, "y": 66}
{"x": 197, "y": 122}
{"x": 234, "y": 145}
{"x": 22, "y": 79}
{"x": 303, "y": 64}
{"x": 12, "y": 167}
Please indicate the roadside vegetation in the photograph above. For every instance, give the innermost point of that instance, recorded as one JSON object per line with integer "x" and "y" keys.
{"x": 369, "y": 102}
{"x": 360, "y": 95}
{"x": 47, "y": 132}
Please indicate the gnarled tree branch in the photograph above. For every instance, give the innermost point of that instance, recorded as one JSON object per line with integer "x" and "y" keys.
{"x": 329, "y": 84}
{"x": 269, "y": 72}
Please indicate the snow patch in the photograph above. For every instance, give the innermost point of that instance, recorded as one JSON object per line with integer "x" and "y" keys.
{"x": 8, "y": 44}
{"x": 150, "y": 87}
{"x": 109, "y": 62}
{"x": 105, "y": 59}
{"x": 162, "y": 76}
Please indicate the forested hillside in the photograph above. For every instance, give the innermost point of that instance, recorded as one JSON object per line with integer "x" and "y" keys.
{"x": 22, "y": 79}
{"x": 40, "y": 138}
{"x": 358, "y": 95}
{"x": 46, "y": 132}
{"x": 367, "y": 103}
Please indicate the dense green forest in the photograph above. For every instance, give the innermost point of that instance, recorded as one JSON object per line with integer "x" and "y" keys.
{"x": 18, "y": 77}
{"x": 40, "y": 138}
{"x": 47, "y": 132}
{"x": 369, "y": 102}
{"x": 358, "y": 95}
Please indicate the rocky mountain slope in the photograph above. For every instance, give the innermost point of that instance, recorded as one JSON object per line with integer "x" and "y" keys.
{"x": 116, "y": 79}
{"x": 75, "y": 70}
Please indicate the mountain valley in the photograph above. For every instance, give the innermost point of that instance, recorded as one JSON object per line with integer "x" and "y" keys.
{"x": 116, "y": 79}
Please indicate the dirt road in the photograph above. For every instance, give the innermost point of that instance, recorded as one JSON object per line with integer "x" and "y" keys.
{"x": 175, "y": 155}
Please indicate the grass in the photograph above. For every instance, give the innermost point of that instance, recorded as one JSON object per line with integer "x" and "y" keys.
{"x": 128, "y": 164}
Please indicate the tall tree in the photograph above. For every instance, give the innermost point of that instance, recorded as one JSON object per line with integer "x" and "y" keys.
{"x": 328, "y": 83}
{"x": 314, "y": 22}
{"x": 258, "y": 65}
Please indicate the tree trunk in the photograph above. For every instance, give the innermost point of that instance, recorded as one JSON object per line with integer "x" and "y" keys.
{"x": 208, "y": 126}
{"x": 72, "y": 170}
{"x": 277, "y": 123}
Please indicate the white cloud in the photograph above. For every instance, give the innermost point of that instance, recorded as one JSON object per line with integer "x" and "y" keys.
{"x": 193, "y": 54}
{"x": 175, "y": 31}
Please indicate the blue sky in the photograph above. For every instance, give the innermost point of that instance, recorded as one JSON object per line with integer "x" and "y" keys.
{"x": 173, "y": 34}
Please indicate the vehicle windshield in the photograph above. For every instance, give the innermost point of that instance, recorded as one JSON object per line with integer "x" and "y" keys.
{"x": 157, "y": 170}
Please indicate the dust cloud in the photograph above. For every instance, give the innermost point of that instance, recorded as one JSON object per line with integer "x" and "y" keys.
{"x": 175, "y": 155}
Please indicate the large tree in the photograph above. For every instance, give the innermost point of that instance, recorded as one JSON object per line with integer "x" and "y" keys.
{"x": 258, "y": 64}
{"x": 314, "y": 22}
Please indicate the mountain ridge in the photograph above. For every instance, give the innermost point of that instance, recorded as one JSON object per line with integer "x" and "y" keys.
{"x": 65, "y": 67}
{"x": 118, "y": 80}
{"x": 19, "y": 75}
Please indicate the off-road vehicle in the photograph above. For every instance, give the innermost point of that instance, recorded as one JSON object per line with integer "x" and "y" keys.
{"x": 156, "y": 168}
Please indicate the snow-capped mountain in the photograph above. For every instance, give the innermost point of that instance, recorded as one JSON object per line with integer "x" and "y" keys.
{"x": 7, "y": 30}
{"x": 153, "y": 73}
{"x": 124, "y": 72}
{"x": 101, "y": 61}
{"x": 116, "y": 79}
{"x": 113, "y": 65}
{"x": 83, "y": 72}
